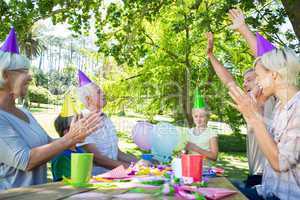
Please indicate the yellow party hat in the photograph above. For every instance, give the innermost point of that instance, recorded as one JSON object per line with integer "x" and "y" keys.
{"x": 68, "y": 108}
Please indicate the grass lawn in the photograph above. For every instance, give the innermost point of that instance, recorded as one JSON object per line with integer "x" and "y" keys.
{"x": 233, "y": 161}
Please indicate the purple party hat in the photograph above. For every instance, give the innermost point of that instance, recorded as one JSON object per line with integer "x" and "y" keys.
{"x": 11, "y": 44}
{"x": 83, "y": 79}
{"x": 262, "y": 45}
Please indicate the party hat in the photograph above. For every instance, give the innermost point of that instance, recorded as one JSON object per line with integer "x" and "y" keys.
{"x": 68, "y": 108}
{"x": 11, "y": 44}
{"x": 199, "y": 102}
{"x": 83, "y": 79}
{"x": 262, "y": 45}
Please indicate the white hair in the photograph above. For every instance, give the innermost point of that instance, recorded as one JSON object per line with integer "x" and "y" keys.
{"x": 283, "y": 61}
{"x": 85, "y": 91}
{"x": 11, "y": 61}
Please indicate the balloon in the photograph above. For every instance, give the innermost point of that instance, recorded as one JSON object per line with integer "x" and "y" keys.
{"x": 141, "y": 134}
{"x": 183, "y": 138}
{"x": 164, "y": 140}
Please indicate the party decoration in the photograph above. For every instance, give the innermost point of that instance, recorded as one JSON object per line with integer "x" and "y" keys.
{"x": 116, "y": 173}
{"x": 164, "y": 140}
{"x": 68, "y": 108}
{"x": 141, "y": 134}
{"x": 176, "y": 167}
{"x": 83, "y": 79}
{"x": 147, "y": 157}
{"x": 10, "y": 58}
{"x": 11, "y": 44}
{"x": 192, "y": 166}
{"x": 199, "y": 102}
{"x": 262, "y": 45}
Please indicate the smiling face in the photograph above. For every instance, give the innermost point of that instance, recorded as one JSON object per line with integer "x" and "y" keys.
{"x": 97, "y": 99}
{"x": 200, "y": 117}
{"x": 17, "y": 82}
{"x": 249, "y": 81}
{"x": 266, "y": 79}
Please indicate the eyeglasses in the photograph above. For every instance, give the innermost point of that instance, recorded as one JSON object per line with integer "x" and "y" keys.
{"x": 19, "y": 70}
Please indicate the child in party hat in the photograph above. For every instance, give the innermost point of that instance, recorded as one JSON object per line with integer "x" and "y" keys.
{"x": 202, "y": 140}
{"x": 61, "y": 164}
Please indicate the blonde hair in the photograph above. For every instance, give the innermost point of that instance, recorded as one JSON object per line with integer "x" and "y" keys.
{"x": 283, "y": 61}
{"x": 207, "y": 113}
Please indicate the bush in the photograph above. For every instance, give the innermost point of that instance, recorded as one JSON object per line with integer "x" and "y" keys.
{"x": 232, "y": 143}
{"x": 39, "y": 94}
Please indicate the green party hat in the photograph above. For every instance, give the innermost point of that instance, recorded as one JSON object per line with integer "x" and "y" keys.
{"x": 199, "y": 102}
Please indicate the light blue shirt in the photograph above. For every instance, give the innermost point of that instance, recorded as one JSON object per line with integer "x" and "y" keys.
{"x": 17, "y": 138}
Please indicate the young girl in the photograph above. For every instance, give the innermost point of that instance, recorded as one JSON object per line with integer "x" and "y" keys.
{"x": 202, "y": 140}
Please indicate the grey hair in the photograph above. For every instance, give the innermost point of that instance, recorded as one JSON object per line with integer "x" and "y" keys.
{"x": 248, "y": 71}
{"x": 85, "y": 91}
{"x": 11, "y": 61}
{"x": 285, "y": 62}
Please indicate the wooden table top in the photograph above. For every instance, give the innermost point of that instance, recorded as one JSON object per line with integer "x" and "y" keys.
{"x": 58, "y": 191}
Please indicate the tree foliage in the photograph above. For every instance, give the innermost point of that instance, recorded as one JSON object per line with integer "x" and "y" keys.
{"x": 158, "y": 47}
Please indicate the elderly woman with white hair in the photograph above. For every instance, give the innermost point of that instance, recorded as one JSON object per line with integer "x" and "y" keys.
{"x": 277, "y": 74}
{"x": 25, "y": 146}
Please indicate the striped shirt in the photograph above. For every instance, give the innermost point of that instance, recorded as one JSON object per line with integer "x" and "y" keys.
{"x": 286, "y": 131}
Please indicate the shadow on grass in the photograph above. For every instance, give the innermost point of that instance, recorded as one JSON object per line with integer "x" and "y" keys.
{"x": 235, "y": 165}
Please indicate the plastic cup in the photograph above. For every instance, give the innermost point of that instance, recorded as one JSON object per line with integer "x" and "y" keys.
{"x": 176, "y": 167}
{"x": 81, "y": 168}
{"x": 148, "y": 157}
{"x": 192, "y": 166}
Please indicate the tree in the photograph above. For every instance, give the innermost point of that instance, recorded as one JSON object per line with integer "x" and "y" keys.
{"x": 159, "y": 46}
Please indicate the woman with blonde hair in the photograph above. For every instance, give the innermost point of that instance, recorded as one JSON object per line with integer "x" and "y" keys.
{"x": 277, "y": 74}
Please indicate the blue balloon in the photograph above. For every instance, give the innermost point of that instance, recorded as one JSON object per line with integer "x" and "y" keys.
{"x": 164, "y": 140}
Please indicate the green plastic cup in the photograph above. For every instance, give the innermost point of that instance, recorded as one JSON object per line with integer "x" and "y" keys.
{"x": 81, "y": 168}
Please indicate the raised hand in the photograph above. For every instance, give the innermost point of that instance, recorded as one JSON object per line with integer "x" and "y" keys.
{"x": 237, "y": 17}
{"x": 210, "y": 43}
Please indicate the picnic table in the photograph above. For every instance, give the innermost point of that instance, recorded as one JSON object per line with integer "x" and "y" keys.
{"x": 59, "y": 191}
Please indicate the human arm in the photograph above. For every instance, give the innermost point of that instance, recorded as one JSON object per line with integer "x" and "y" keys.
{"x": 220, "y": 70}
{"x": 102, "y": 160}
{"x": 238, "y": 24}
{"x": 212, "y": 154}
{"x": 79, "y": 130}
{"x": 280, "y": 159}
{"x": 128, "y": 158}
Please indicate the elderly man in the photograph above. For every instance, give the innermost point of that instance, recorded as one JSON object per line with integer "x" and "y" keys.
{"x": 103, "y": 143}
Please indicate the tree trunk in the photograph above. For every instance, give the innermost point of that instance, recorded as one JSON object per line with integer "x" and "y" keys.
{"x": 40, "y": 61}
{"x": 186, "y": 103}
{"x": 292, "y": 8}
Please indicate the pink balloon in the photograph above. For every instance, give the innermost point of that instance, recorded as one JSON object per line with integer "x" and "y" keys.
{"x": 141, "y": 134}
